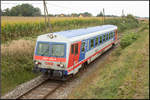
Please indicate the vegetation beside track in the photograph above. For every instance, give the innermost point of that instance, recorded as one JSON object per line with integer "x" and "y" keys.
{"x": 125, "y": 73}
{"x": 17, "y": 55}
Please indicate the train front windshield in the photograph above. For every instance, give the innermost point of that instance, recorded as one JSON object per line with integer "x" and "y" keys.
{"x": 50, "y": 49}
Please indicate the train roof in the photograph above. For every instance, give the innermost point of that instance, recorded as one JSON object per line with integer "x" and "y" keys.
{"x": 77, "y": 34}
{"x": 84, "y": 31}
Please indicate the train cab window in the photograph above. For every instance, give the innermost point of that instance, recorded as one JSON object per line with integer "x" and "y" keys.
{"x": 104, "y": 38}
{"x": 96, "y": 42}
{"x": 92, "y": 43}
{"x": 43, "y": 49}
{"x": 100, "y": 39}
{"x": 83, "y": 46}
{"x": 76, "y": 49}
{"x": 72, "y": 49}
{"x": 58, "y": 50}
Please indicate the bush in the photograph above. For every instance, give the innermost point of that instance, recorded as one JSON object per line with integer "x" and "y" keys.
{"x": 128, "y": 39}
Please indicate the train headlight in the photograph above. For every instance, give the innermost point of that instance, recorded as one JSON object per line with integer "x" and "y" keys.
{"x": 37, "y": 63}
{"x": 60, "y": 65}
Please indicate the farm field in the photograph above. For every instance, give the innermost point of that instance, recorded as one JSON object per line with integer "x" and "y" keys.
{"x": 13, "y": 20}
{"x": 17, "y": 27}
{"x": 125, "y": 73}
{"x": 19, "y": 41}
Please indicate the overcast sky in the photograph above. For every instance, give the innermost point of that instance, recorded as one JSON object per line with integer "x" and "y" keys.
{"x": 137, "y": 8}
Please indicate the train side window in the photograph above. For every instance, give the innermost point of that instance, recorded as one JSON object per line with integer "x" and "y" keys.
{"x": 103, "y": 37}
{"x": 83, "y": 46}
{"x": 110, "y": 35}
{"x": 100, "y": 39}
{"x": 76, "y": 49}
{"x": 92, "y": 43}
{"x": 72, "y": 49}
{"x": 113, "y": 34}
{"x": 88, "y": 45}
{"x": 96, "y": 42}
{"x": 107, "y": 36}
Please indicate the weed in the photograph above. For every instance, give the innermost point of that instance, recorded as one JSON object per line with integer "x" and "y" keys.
{"x": 128, "y": 39}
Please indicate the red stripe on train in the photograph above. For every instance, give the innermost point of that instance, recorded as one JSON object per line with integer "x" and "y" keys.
{"x": 90, "y": 57}
{"x": 50, "y": 58}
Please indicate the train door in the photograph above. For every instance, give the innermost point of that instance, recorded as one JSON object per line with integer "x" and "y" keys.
{"x": 116, "y": 35}
{"x": 74, "y": 54}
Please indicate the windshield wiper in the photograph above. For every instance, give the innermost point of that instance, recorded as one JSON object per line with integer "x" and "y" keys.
{"x": 44, "y": 52}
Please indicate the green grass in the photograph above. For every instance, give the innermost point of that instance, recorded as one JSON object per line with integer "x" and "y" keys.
{"x": 17, "y": 63}
{"x": 128, "y": 39}
{"x": 124, "y": 74}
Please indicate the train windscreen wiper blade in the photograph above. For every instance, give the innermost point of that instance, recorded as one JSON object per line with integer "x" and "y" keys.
{"x": 45, "y": 52}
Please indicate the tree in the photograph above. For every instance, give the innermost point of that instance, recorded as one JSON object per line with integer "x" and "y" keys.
{"x": 23, "y": 10}
{"x": 130, "y": 18}
{"x": 100, "y": 14}
{"x": 6, "y": 12}
{"x": 37, "y": 12}
{"x": 87, "y": 14}
{"x": 75, "y": 15}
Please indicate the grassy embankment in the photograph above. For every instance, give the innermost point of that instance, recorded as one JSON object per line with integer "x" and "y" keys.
{"x": 17, "y": 55}
{"x": 124, "y": 74}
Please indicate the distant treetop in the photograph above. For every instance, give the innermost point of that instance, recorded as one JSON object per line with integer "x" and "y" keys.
{"x": 22, "y": 10}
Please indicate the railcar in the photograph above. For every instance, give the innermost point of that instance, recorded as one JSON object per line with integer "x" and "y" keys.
{"x": 63, "y": 53}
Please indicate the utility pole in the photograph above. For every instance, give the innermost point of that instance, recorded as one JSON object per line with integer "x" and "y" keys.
{"x": 46, "y": 14}
{"x": 122, "y": 12}
{"x": 123, "y": 15}
{"x": 103, "y": 16}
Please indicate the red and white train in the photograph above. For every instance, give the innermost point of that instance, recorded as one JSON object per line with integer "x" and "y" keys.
{"x": 64, "y": 53}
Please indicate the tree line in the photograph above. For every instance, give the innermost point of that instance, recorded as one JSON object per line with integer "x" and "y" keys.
{"x": 22, "y": 10}
{"x": 29, "y": 10}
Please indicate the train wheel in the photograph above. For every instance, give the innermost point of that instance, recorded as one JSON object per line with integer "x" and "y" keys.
{"x": 84, "y": 65}
{"x": 113, "y": 45}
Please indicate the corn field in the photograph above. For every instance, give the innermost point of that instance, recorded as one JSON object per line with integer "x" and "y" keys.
{"x": 16, "y": 27}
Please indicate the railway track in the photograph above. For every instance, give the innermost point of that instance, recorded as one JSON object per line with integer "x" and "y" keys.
{"x": 42, "y": 90}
